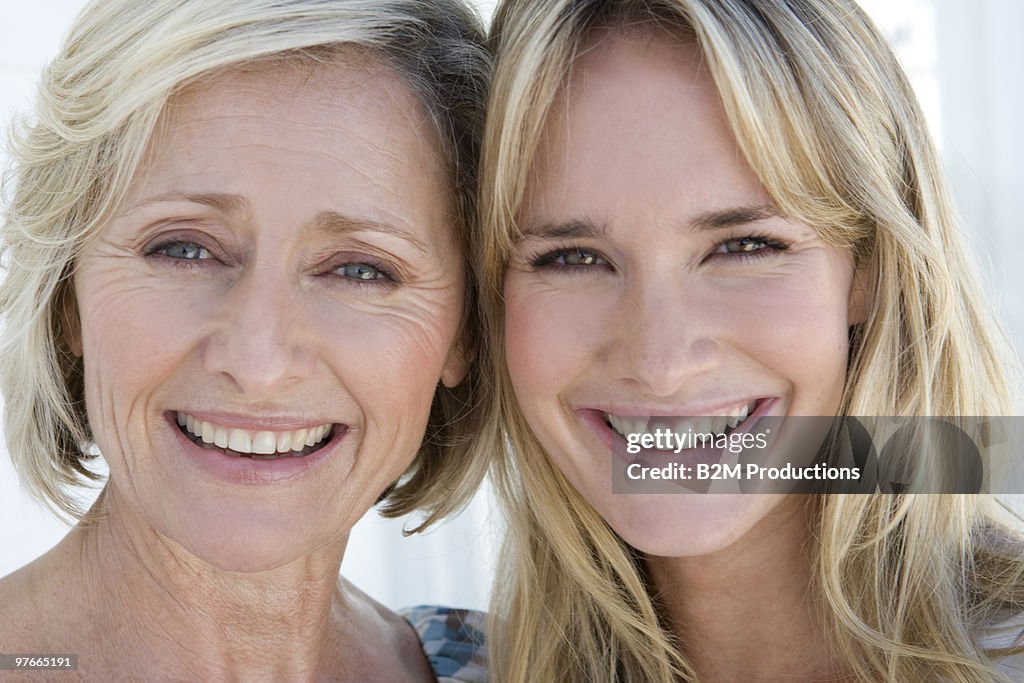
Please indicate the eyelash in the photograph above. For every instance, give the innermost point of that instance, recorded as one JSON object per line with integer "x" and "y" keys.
{"x": 548, "y": 259}
{"x": 387, "y": 277}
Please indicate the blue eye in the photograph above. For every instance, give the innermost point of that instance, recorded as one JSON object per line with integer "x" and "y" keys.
{"x": 361, "y": 271}
{"x": 183, "y": 251}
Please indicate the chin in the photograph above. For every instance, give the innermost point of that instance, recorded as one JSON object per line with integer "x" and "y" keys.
{"x": 247, "y": 541}
{"x": 689, "y": 525}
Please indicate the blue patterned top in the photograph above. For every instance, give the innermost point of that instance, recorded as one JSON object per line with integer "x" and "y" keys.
{"x": 453, "y": 640}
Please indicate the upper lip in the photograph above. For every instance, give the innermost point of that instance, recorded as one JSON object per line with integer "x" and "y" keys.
{"x": 249, "y": 422}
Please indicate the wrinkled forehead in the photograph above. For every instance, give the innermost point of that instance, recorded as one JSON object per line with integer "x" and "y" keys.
{"x": 352, "y": 112}
{"x": 281, "y": 143}
{"x": 350, "y": 87}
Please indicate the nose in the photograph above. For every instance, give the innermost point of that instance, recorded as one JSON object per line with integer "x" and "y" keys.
{"x": 666, "y": 337}
{"x": 260, "y": 344}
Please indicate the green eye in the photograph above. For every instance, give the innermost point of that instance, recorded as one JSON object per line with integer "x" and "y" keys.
{"x": 749, "y": 246}
{"x": 580, "y": 257}
{"x": 568, "y": 259}
{"x": 744, "y": 245}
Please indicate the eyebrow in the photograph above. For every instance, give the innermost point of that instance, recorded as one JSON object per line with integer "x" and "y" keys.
{"x": 735, "y": 216}
{"x": 711, "y": 220}
{"x": 334, "y": 222}
{"x": 325, "y": 221}
{"x": 220, "y": 201}
{"x": 568, "y": 230}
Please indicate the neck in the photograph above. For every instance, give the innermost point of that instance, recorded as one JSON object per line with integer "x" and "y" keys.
{"x": 163, "y": 606}
{"x": 745, "y": 613}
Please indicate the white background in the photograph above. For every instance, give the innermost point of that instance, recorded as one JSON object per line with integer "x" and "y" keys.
{"x": 965, "y": 59}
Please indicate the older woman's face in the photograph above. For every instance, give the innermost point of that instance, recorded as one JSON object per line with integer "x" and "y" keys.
{"x": 656, "y": 279}
{"x": 284, "y": 279}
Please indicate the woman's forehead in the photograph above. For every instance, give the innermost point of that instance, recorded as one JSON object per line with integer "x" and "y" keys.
{"x": 281, "y": 146}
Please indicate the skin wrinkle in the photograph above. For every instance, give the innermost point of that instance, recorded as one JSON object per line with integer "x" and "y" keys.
{"x": 381, "y": 239}
{"x": 238, "y": 580}
{"x": 392, "y": 101}
{"x": 386, "y": 216}
{"x": 365, "y": 304}
{"x": 118, "y": 578}
{"x": 188, "y": 577}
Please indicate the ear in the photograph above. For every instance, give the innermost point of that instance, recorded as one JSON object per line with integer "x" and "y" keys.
{"x": 70, "y": 323}
{"x": 860, "y": 298}
{"x": 456, "y": 366}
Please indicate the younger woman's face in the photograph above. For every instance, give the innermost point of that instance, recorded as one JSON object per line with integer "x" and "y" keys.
{"x": 655, "y": 277}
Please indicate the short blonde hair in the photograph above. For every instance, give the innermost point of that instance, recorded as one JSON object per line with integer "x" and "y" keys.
{"x": 97, "y": 108}
{"x": 825, "y": 117}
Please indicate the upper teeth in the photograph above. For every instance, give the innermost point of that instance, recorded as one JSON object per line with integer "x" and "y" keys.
{"x": 245, "y": 441}
{"x": 708, "y": 424}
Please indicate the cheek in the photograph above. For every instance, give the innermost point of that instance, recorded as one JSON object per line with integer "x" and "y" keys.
{"x": 549, "y": 336}
{"x": 795, "y": 323}
{"x": 134, "y": 333}
{"x": 391, "y": 356}
{"x": 801, "y": 330}
{"x": 123, "y": 312}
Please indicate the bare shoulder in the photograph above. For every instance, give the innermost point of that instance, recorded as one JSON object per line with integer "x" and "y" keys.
{"x": 403, "y": 658}
{"x": 386, "y": 624}
{"x": 20, "y": 629}
{"x": 27, "y": 627}
{"x": 44, "y": 610}
{"x": 36, "y": 608}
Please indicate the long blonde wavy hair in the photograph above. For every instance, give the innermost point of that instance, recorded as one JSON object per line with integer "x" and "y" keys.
{"x": 909, "y": 586}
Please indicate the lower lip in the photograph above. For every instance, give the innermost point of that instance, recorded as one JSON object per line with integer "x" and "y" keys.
{"x": 688, "y": 456}
{"x": 237, "y": 469}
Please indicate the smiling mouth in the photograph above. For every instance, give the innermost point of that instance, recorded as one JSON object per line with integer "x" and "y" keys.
{"x": 723, "y": 422}
{"x": 258, "y": 445}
